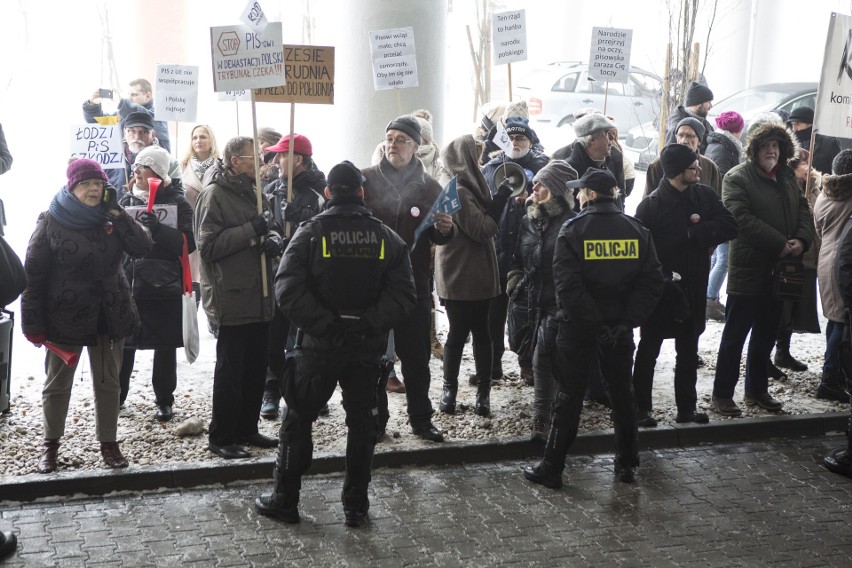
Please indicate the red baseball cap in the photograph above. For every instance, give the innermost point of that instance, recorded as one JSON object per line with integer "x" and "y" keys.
{"x": 301, "y": 145}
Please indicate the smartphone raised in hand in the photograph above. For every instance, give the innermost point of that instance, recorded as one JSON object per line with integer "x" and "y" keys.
{"x": 105, "y": 93}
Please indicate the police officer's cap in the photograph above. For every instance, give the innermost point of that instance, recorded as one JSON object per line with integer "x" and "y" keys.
{"x": 345, "y": 174}
{"x": 600, "y": 181}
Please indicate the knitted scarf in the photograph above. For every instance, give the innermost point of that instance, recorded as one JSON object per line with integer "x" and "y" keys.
{"x": 70, "y": 212}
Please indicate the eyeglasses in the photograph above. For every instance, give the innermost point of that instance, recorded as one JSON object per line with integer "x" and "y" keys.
{"x": 518, "y": 138}
{"x": 399, "y": 141}
{"x": 137, "y": 131}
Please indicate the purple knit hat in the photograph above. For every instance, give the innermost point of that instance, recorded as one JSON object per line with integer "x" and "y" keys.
{"x": 731, "y": 121}
{"x": 83, "y": 169}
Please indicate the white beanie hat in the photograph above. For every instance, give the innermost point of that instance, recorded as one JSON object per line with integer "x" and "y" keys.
{"x": 157, "y": 159}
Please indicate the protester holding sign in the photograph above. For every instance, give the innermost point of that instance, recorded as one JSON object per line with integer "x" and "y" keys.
{"x": 466, "y": 271}
{"x": 140, "y": 99}
{"x": 156, "y": 278}
{"x": 77, "y": 297}
{"x": 399, "y": 192}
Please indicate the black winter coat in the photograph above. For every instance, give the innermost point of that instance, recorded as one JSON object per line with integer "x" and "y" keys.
{"x": 606, "y": 269}
{"x": 684, "y": 244}
{"x": 679, "y": 114}
{"x": 724, "y": 153}
{"x": 575, "y": 154}
{"x": 533, "y": 258}
{"x": 825, "y": 149}
{"x": 76, "y": 289}
{"x": 162, "y": 323}
{"x": 510, "y": 222}
{"x": 313, "y": 281}
{"x": 308, "y": 197}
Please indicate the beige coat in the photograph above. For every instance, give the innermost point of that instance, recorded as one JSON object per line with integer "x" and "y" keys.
{"x": 833, "y": 206}
{"x": 466, "y": 267}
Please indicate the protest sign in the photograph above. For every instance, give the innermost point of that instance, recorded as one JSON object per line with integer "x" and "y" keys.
{"x": 99, "y": 142}
{"x": 176, "y": 93}
{"x": 166, "y": 213}
{"x": 501, "y": 138}
{"x": 254, "y": 17}
{"x": 245, "y": 59}
{"x": 310, "y": 77}
{"x": 509, "y": 36}
{"x": 833, "y": 112}
{"x": 609, "y": 59}
{"x": 447, "y": 202}
{"x": 394, "y": 59}
{"x": 230, "y": 96}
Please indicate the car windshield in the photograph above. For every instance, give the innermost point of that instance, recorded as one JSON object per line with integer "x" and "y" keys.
{"x": 750, "y": 101}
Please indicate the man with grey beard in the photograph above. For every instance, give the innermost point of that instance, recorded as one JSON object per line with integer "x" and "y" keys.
{"x": 525, "y": 155}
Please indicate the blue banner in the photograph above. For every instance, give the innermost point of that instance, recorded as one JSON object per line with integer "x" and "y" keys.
{"x": 447, "y": 202}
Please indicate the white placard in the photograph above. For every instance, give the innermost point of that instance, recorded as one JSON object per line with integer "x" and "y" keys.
{"x": 176, "y": 91}
{"x": 254, "y": 17}
{"x": 394, "y": 59}
{"x": 501, "y": 138}
{"x": 99, "y": 142}
{"x": 509, "y": 36}
{"x": 246, "y": 59}
{"x": 166, "y": 214}
{"x": 609, "y": 58}
{"x": 241, "y": 95}
{"x": 833, "y": 112}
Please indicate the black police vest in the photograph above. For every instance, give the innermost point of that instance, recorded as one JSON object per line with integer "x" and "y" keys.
{"x": 352, "y": 253}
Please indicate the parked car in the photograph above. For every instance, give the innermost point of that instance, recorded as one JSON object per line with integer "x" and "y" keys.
{"x": 642, "y": 142}
{"x": 555, "y": 91}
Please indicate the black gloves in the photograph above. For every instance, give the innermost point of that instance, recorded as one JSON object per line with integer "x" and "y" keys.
{"x": 499, "y": 199}
{"x": 612, "y": 336}
{"x": 260, "y": 225}
{"x": 273, "y": 246}
{"x": 149, "y": 219}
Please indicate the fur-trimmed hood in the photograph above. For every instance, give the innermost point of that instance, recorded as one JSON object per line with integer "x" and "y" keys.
{"x": 553, "y": 207}
{"x": 838, "y": 188}
{"x": 789, "y": 147}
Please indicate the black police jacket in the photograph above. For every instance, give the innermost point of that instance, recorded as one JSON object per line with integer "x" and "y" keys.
{"x": 605, "y": 268}
{"x": 345, "y": 280}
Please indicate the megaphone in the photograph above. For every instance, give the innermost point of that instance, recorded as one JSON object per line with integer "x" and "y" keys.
{"x": 516, "y": 175}
{"x": 68, "y": 357}
{"x": 153, "y": 186}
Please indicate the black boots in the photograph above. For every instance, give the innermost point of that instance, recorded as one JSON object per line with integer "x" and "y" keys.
{"x": 783, "y": 358}
{"x": 482, "y": 355}
{"x": 359, "y": 463}
{"x": 833, "y": 386}
{"x": 483, "y": 397}
{"x": 281, "y": 506}
{"x": 545, "y": 473}
{"x": 452, "y": 364}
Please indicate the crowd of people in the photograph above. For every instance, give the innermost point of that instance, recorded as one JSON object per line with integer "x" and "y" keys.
{"x": 308, "y": 280}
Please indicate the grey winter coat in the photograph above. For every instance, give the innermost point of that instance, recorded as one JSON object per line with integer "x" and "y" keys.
{"x": 832, "y": 208}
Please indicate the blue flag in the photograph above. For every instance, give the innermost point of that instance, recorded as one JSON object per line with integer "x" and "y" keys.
{"x": 447, "y": 202}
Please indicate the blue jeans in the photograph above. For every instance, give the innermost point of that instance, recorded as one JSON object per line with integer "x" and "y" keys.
{"x": 833, "y": 338}
{"x": 760, "y": 315}
{"x": 718, "y": 271}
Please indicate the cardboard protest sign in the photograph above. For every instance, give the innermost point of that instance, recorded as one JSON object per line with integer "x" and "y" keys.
{"x": 447, "y": 202}
{"x": 239, "y": 95}
{"x": 509, "y": 36}
{"x": 166, "y": 214}
{"x": 394, "y": 59}
{"x": 176, "y": 93}
{"x": 833, "y": 112}
{"x": 254, "y": 17}
{"x": 609, "y": 59}
{"x": 99, "y": 142}
{"x": 246, "y": 59}
{"x": 310, "y": 77}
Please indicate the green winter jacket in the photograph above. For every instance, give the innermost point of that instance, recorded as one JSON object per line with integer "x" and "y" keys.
{"x": 768, "y": 213}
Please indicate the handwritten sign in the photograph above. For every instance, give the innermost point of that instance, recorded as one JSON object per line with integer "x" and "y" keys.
{"x": 509, "y": 31}
{"x": 99, "y": 142}
{"x": 240, "y": 95}
{"x": 310, "y": 77}
{"x": 176, "y": 93}
{"x": 394, "y": 59}
{"x": 609, "y": 59}
{"x": 246, "y": 59}
{"x": 254, "y": 17}
{"x": 166, "y": 214}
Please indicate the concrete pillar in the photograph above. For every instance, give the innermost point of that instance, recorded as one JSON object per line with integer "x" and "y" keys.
{"x": 362, "y": 112}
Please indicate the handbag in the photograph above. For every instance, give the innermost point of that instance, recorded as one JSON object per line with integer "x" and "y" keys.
{"x": 13, "y": 280}
{"x": 522, "y": 321}
{"x": 788, "y": 279}
{"x": 189, "y": 310}
{"x": 156, "y": 279}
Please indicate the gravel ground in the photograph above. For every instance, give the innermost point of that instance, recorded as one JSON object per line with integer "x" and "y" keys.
{"x": 145, "y": 441}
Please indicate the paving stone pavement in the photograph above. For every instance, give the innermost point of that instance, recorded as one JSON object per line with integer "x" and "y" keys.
{"x": 748, "y": 504}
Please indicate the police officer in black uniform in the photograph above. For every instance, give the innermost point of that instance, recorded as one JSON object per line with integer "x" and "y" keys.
{"x": 345, "y": 280}
{"x": 608, "y": 281}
